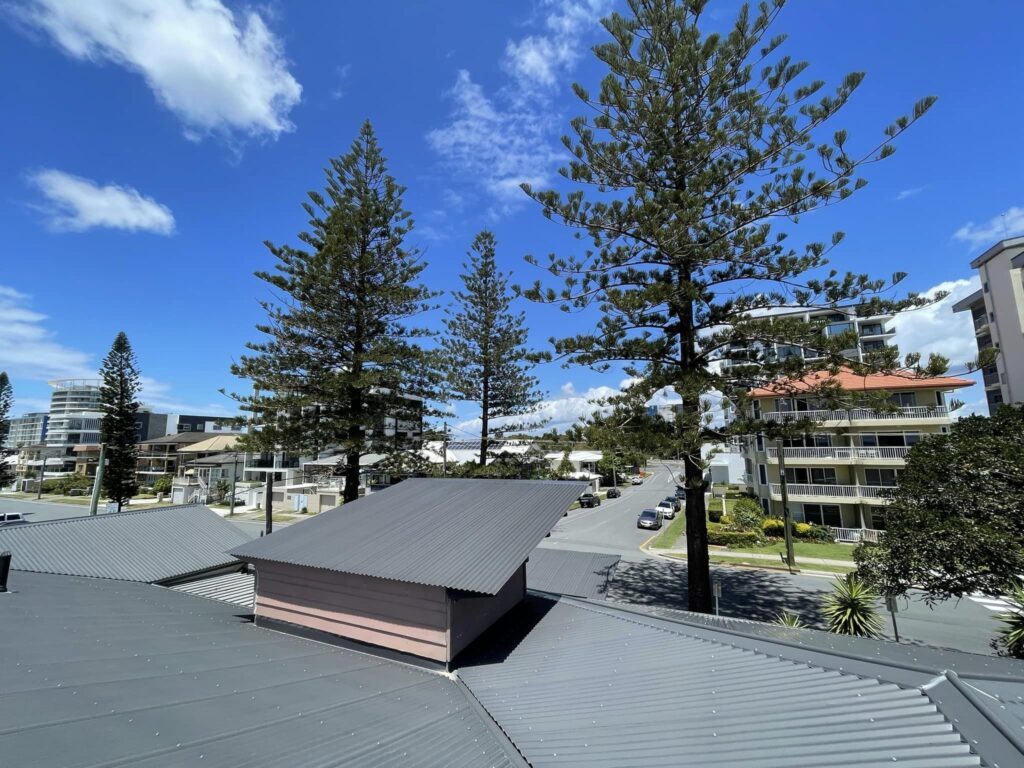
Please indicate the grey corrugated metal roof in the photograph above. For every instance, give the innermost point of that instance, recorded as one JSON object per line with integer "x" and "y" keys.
{"x": 99, "y": 672}
{"x": 592, "y": 685}
{"x": 148, "y": 545}
{"x": 235, "y": 588}
{"x": 566, "y": 572}
{"x": 463, "y": 534}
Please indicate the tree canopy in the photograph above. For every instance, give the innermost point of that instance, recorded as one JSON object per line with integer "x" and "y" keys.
{"x": 955, "y": 523}
{"x": 6, "y": 401}
{"x": 120, "y": 406}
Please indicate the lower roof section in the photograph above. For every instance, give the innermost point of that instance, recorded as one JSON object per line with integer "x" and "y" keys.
{"x": 100, "y": 672}
{"x": 568, "y": 572}
{"x": 577, "y": 683}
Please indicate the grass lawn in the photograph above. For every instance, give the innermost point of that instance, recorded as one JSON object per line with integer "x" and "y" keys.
{"x": 670, "y": 533}
{"x": 827, "y": 551}
{"x": 768, "y": 563}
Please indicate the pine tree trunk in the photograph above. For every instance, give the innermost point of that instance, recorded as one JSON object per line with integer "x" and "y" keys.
{"x": 485, "y": 408}
{"x": 697, "y": 562}
{"x": 268, "y": 504}
{"x": 351, "y": 492}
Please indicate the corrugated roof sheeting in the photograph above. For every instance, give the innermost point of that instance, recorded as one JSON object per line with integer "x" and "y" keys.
{"x": 116, "y": 673}
{"x": 148, "y": 545}
{"x": 594, "y": 687}
{"x": 463, "y": 534}
{"x": 566, "y": 572}
{"x": 235, "y": 588}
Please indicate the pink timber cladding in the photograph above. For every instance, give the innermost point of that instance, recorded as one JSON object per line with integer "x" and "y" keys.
{"x": 412, "y": 618}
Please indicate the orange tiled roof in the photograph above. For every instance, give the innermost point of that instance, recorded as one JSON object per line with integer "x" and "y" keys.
{"x": 853, "y": 382}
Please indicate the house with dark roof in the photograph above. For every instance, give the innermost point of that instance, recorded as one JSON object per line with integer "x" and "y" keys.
{"x": 105, "y": 667}
{"x": 420, "y": 568}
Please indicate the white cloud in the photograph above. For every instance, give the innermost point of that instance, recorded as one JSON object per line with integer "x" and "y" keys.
{"x": 340, "y": 76}
{"x": 507, "y": 139}
{"x": 160, "y": 397}
{"x": 77, "y": 204}
{"x": 1007, "y": 224}
{"x": 905, "y": 193}
{"x": 217, "y": 71}
{"x": 29, "y": 350}
{"x": 936, "y": 328}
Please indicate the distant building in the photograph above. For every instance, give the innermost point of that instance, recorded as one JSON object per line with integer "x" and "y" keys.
{"x": 29, "y": 429}
{"x": 667, "y": 411}
{"x": 997, "y": 312}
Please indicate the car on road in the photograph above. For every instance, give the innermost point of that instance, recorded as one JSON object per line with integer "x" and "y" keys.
{"x": 11, "y": 518}
{"x": 680, "y": 492}
{"x": 636, "y": 480}
{"x": 675, "y": 502}
{"x": 667, "y": 509}
{"x": 649, "y": 518}
{"x": 589, "y": 500}
{"x": 613, "y": 493}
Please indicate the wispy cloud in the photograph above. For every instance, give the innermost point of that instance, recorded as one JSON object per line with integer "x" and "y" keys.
{"x": 1009, "y": 223}
{"x": 30, "y": 350}
{"x": 77, "y": 204}
{"x": 161, "y": 397}
{"x": 216, "y": 70}
{"x": 340, "y": 77}
{"x": 905, "y": 193}
{"x": 503, "y": 140}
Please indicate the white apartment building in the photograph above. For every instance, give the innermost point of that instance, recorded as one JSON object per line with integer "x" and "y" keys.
{"x": 835, "y": 476}
{"x": 29, "y": 429}
{"x": 873, "y": 333}
{"x": 997, "y": 312}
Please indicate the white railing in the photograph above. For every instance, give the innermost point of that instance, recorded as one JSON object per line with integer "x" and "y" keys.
{"x": 856, "y": 535}
{"x": 832, "y": 491}
{"x": 895, "y": 452}
{"x": 748, "y": 478}
{"x": 853, "y": 414}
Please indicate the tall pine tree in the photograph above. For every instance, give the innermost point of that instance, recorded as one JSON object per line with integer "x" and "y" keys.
{"x": 703, "y": 151}
{"x": 340, "y": 364}
{"x": 485, "y": 348}
{"x": 6, "y": 401}
{"x": 120, "y": 408}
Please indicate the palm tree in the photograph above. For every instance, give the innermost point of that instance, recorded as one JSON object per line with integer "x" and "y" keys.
{"x": 851, "y": 608}
{"x": 1010, "y": 636}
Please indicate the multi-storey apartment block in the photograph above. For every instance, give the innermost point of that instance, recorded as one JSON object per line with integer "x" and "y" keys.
{"x": 29, "y": 429}
{"x": 835, "y": 476}
{"x": 873, "y": 333}
{"x": 997, "y": 312}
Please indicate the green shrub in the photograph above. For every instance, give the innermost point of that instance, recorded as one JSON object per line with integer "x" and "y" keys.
{"x": 64, "y": 484}
{"x": 850, "y": 608}
{"x": 1010, "y": 636}
{"x": 773, "y": 526}
{"x": 714, "y": 513}
{"x": 721, "y": 537}
{"x": 726, "y": 521}
{"x": 747, "y": 515}
{"x": 162, "y": 484}
{"x": 787, "y": 619}
{"x": 820, "y": 533}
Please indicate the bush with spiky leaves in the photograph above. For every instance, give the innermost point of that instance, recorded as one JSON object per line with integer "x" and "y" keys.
{"x": 851, "y": 608}
{"x": 787, "y": 619}
{"x": 1010, "y": 636}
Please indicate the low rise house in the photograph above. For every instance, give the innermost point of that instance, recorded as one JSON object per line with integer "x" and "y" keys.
{"x": 160, "y": 456}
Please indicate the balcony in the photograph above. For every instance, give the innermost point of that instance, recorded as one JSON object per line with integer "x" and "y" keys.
{"x": 915, "y": 413}
{"x": 272, "y": 462}
{"x": 851, "y": 494}
{"x": 980, "y": 324}
{"x": 845, "y": 455}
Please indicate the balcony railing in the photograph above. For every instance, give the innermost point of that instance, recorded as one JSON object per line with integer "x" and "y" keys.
{"x": 854, "y": 414}
{"x": 830, "y": 491}
{"x": 841, "y": 453}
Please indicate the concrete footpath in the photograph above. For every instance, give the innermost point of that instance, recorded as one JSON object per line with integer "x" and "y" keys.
{"x": 774, "y": 559}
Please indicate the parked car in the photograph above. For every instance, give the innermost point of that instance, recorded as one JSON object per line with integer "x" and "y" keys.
{"x": 613, "y": 493}
{"x": 11, "y": 518}
{"x": 675, "y": 502}
{"x": 589, "y": 500}
{"x": 636, "y": 480}
{"x": 667, "y": 509}
{"x": 680, "y": 492}
{"x": 649, "y": 518}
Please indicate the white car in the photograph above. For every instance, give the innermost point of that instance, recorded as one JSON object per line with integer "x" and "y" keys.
{"x": 667, "y": 509}
{"x": 636, "y": 480}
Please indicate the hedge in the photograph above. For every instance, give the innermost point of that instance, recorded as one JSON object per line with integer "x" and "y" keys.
{"x": 738, "y": 539}
{"x": 774, "y": 527}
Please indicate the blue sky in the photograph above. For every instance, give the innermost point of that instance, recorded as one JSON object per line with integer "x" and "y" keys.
{"x": 150, "y": 147}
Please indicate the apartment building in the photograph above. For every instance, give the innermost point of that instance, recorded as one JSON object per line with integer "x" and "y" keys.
{"x": 873, "y": 333}
{"x": 29, "y": 429}
{"x": 997, "y": 313}
{"x": 835, "y": 476}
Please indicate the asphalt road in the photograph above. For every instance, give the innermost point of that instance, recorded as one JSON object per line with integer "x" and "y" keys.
{"x": 749, "y": 593}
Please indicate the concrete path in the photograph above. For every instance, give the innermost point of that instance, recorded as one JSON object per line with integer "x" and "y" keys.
{"x": 741, "y": 555}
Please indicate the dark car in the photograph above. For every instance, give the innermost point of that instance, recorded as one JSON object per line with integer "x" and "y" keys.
{"x": 614, "y": 493}
{"x": 680, "y": 492}
{"x": 589, "y": 500}
{"x": 649, "y": 518}
{"x": 675, "y": 502}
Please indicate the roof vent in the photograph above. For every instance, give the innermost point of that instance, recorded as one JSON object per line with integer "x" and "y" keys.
{"x": 5, "y": 568}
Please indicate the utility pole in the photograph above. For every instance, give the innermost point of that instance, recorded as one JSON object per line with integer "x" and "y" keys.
{"x": 786, "y": 521}
{"x": 98, "y": 483}
{"x": 42, "y": 476}
{"x": 444, "y": 449}
{"x": 234, "y": 476}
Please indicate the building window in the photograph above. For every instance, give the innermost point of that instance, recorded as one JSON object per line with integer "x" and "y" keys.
{"x": 766, "y": 505}
{"x": 812, "y": 475}
{"x": 762, "y": 474}
{"x": 760, "y": 441}
{"x": 884, "y": 478}
{"x": 873, "y": 345}
{"x": 823, "y": 514}
{"x": 878, "y": 518}
{"x": 903, "y": 399}
{"x": 185, "y": 427}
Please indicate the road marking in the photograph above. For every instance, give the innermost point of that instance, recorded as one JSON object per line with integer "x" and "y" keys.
{"x": 997, "y": 604}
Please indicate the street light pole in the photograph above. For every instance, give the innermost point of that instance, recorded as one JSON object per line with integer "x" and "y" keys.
{"x": 234, "y": 477}
{"x": 98, "y": 482}
{"x": 786, "y": 521}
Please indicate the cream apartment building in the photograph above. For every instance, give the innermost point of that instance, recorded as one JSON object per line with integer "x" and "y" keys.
{"x": 835, "y": 476}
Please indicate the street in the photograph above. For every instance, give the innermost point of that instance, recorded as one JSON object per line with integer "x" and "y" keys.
{"x": 749, "y": 593}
